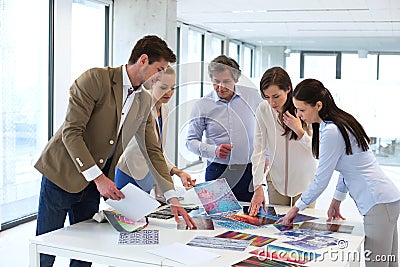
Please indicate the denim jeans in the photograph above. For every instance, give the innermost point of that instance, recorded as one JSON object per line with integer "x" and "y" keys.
{"x": 54, "y": 205}
{"x": 121, "y": 179}
{"x": 239, "y": 178}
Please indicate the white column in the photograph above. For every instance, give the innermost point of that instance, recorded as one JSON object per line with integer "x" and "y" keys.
{"x": 267, "y": 57}
{"x": 134, "y": 19}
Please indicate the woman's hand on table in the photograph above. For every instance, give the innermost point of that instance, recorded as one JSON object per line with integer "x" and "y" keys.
{"x": 287, "y": 220}
{"x": 334, "y": 211}
{"x": 257, "y": 200}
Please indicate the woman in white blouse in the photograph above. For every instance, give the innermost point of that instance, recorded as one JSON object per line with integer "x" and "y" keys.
{"x": 132, "y": 167}
{"x": 340, "y": 143}
{"x": 289, "y": 163}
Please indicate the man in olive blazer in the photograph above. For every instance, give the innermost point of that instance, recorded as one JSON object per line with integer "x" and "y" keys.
{"x": 89, "y": 133}
{"x": 79, "y": 160}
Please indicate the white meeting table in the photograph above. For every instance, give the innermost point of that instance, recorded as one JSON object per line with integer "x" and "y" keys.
{"x": 98, "y": 242}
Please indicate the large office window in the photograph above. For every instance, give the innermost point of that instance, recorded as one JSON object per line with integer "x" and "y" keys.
{"x": 247, "y": 66}
{"x": 388, "y": 65}
{"x": 387, "y": 95}
{"x": 319, "y": 64}
{"x": 30, "y": 99}
{"x": 216, "y": 49}
{"x": 293, "y": 66}
{"x": 355, "y": 68}
{"x": 88, "y": 36}
{"x": 190, "y": 87}
{"x": 194, "y": 59}
{"x": 80, "y": 44}
{"x": 366, "y": 87}
{"x": 234, "y": 51}
{"x": 23, "y": 104}
{"x": 357, "y": 87}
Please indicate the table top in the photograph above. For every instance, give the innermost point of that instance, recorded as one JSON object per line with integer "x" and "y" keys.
{"x": 102, "y": 239}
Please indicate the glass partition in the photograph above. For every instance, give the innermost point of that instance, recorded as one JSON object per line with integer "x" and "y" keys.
{"x": 24, "y": 104}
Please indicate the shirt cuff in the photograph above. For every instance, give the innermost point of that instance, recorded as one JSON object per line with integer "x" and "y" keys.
{"x": 305, "y": 139}
{"x": 170, "y": 194}
{"x": 211, "y": 151}
{"x": 339, "y": 195}
{"x": 92, "y": 173}
{"x": 300, "y": 204}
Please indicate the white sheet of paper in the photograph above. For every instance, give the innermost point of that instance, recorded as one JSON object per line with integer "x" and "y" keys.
{"x": 136, "y": 203}
{"x": 183, "y": 253}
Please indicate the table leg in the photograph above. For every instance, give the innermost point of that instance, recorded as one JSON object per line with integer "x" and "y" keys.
{"x": 34, "y": 256}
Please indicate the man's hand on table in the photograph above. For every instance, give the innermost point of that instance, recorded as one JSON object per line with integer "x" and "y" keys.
{"x": 177, "y": 209}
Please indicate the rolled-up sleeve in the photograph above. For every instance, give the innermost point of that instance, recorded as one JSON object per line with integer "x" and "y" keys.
{"x": 306, "y": 141}
{"x": 260, "y": 152}
{"x": 194, "y": 142}
{"x": 341, "y": 189}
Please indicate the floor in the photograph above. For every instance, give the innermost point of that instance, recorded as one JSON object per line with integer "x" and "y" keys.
{"x": 14, "y": 243}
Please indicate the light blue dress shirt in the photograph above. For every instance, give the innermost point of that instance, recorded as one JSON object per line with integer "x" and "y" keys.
{"x": 360, "y": 173}
{"x": 224, "y": 122}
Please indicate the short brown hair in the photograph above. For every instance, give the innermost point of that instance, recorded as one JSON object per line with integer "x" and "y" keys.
{"x": 154, "y": 47}
{"x": 222, "y": 63}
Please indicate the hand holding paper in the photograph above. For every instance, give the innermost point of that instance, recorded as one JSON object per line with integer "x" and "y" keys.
{"x": 136, "y": 203}
{"x": 107, "y": 188}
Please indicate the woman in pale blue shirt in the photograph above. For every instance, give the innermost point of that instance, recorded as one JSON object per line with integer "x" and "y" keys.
{"x": 340, "y": 143}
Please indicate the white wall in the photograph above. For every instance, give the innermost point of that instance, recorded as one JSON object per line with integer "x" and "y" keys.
{"x": 135, "y": 18}
{"x": 267, "y": 57}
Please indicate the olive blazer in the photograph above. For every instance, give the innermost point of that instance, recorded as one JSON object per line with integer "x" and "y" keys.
{"x": 132, "y": 161}
{"x": 90, "y": 131}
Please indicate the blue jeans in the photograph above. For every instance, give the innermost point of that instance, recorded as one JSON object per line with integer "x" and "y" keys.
{"x": 121, "y": 179}
{"x": 239, "y": 178}
{"x": 54, "y": 205}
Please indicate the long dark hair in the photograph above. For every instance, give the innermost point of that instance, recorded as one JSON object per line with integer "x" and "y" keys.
{"x": 279, "y": 77}
{"x": 311, "y": 91}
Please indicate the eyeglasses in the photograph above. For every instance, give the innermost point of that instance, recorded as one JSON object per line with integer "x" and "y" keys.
{"x": 226, "y": 83}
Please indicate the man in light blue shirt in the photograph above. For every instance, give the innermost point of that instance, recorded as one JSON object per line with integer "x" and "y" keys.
{"x": 226, "y": 118}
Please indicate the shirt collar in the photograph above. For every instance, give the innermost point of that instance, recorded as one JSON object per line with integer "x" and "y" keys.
{"x": 125, "y": 77}
{"x": 238, "y": 91}
{"x": 127, "y": 83}
{"x": 323, "y": 124}
{"x": 216, "y": 98}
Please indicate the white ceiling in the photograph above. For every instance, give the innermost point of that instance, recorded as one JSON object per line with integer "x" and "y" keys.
{"x": 372, "y": 25}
